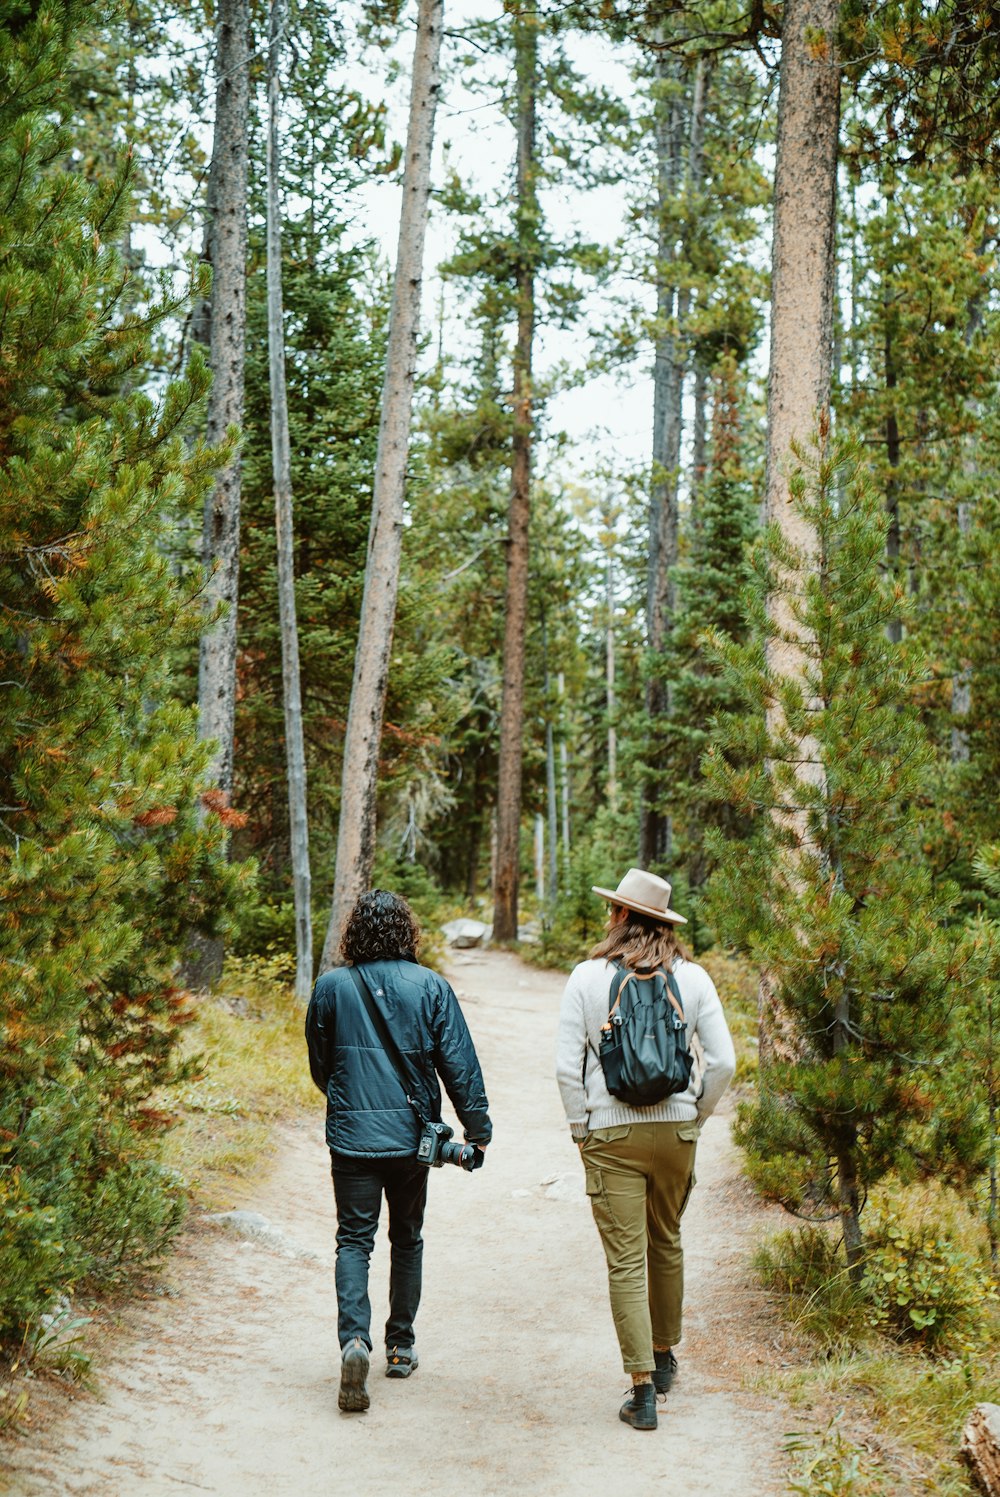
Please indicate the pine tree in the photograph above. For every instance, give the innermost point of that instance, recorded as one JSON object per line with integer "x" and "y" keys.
{"x": 103, "y": 861}
{"x": 832, "y": 895}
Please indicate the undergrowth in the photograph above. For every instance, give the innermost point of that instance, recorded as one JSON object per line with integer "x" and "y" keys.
{"x": 904, "y": 1355}
{"x": 253, "y": 1071}
{"x": 247, "y": 1069}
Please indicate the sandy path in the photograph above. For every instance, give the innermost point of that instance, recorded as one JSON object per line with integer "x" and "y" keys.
{"x": 227, "y": 1382}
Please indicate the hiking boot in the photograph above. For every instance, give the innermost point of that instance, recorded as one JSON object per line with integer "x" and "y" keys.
{"x": 353, "y": 1397}
{"x": 664, "y": 1371}
{"x": 639, "y": 1409}
{"x": 400, "y": 1361}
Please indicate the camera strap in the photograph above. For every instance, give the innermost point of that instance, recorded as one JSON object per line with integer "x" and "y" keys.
{"x": 389, "y": 1045}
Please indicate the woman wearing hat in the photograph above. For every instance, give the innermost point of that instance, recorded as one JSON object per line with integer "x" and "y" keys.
{"x": 639, "y": 1161}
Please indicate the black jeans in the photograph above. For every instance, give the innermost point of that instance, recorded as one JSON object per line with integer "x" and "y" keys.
{"x": 357, "y": 1187}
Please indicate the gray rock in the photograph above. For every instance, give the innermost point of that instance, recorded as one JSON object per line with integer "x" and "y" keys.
{"x": 254, "y": 1227}
{"x": 565, "y": 1188}
{"x": 465, "y": 932}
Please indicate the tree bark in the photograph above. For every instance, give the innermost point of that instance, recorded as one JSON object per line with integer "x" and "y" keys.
{"x": 653, "y": 833}
{"x": 802, "y": 296}
{"x": 980, "y": 1448}
{"x": 281, "y": 459}
{"x": 552, "y": 806}
{"x": 359, "y": 784}
{"x": 803, "y": 261}
{"x": 610, "y": 702}
{"x": 227, "y": 196}
{"x": 670, "y": 370}
{"x": 564, "y": 777}
{"x": 894, "y": 628}
{"x": 507, "y": 878}
{"x": 699, "y": 444}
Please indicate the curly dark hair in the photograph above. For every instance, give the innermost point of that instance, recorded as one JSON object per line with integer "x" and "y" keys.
{"x": 380, "y": 928}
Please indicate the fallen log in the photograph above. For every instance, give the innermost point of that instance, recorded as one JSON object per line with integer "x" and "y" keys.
{"x": 980, "y": 1448}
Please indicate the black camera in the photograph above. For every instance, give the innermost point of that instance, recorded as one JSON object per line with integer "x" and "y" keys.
{"x": 434, "y": 1149}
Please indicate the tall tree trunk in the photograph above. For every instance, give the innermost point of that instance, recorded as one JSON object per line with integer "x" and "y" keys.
{"x": 564, "y": 778}
{"x": 961, "y": 681}
{"x": 219, "y": 324}
{"x": 803, "y": 264}
{"x": 505, "y": 889}
{"x": 281, "y": 458}
{"x": 552, "y": 807}
{"x": 802, "y": 294}
{"x": 670, "y": 369}
{"x": 359, "y": 783}
{"x": 848, "y": 1184}
{"x": 666, "y": 423}
{"x": 227, "y": 195}
{"x": 611, "y": 705}
{"x": 699, "y": 442}
{"x": 894, "y": 629}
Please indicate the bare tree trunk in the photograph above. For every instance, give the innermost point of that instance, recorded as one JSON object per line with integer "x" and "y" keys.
{"x": 961, "y": 681}
{"x": 281, "y": 458}
{"x": 611, "y": 705}
{"x": 699, "y": 442}
{"x": 663, "y": 480}
{"x": 359, "y": 784}
{"x": 802, "y": 294}
{"x": 564, "y": 777}
{"x": 227, "y": 193}
{"x": 670, "y": 369}
{"x": 219, "y": 324}
{"x": 505, "y": 889}
{"x": 552, "y": 807}
{"x": 894, "y": 628}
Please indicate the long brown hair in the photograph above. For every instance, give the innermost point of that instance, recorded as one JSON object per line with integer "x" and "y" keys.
{"x": 640, "y": 942}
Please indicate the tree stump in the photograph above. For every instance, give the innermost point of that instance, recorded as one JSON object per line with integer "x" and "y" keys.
{"x": 980, "y": 1448}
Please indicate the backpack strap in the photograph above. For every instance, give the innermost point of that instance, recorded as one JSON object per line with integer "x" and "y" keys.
{"x": 673, "y": 991}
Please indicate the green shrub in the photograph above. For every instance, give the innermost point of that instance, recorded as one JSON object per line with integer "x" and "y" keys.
{"x": 919, "y": 1286}
{"x": 923, "y": 1287}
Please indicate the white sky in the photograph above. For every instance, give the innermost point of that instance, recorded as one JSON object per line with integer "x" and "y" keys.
{"x": 608, "y": 420}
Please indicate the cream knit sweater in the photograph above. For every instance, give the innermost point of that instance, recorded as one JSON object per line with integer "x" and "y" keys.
{"x": 585, "y": 1006}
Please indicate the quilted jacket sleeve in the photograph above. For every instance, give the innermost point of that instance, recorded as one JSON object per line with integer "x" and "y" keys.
{"x": 457, "y": 1064}
{"x": 320, "y": 1033}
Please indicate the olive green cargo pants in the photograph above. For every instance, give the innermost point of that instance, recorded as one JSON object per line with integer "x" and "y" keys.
{"x": 639, "y": 1178}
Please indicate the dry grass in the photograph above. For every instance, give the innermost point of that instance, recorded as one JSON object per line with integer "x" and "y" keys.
{"x": 250, "y": 1036}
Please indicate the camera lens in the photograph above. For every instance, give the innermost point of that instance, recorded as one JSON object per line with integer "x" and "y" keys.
{"x": 464, "y": 1155}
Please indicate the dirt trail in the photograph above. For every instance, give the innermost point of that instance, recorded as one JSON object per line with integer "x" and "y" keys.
{"x": 227, "y": 1383}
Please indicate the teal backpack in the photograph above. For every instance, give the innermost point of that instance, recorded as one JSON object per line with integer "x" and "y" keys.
{"x": 644, "y": 1052}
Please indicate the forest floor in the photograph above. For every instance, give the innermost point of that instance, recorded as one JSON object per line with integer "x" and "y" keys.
{"x": 224, "y": 1378}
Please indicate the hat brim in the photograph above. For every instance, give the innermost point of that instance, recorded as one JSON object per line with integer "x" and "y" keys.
{"x": 669, "y": 917}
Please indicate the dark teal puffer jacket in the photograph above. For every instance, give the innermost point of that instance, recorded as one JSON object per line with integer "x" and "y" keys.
{"x": 367, "y": 1113}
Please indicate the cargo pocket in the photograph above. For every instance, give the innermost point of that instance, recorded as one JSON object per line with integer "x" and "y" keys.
{"x": 604, "y": 1219}
{"x": 594, "y": 1182}
{"x": 689, "y": 1133}
{"x": 687, "y": 1195}
{"x": 611, "y": 1135}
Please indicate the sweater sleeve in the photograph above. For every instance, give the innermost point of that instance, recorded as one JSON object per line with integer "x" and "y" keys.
{"x": 717, "y": 1047}
{"x": 571, "y": 1050}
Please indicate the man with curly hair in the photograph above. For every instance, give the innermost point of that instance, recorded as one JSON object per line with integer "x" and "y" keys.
{"x": 372, "y": 1125}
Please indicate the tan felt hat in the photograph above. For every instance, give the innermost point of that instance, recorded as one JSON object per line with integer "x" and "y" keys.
{"x": 645, "y": 892}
